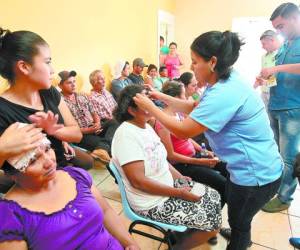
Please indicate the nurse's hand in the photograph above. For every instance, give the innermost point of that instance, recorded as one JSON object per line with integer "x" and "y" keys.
{"x": 143, "y": 102}
{"x": 154, "y": 93}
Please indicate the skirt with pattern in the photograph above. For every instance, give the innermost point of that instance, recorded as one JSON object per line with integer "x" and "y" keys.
{"x": 204, "y": 214}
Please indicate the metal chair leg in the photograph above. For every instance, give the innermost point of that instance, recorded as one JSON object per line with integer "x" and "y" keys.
{"x": 167, "y": 235}
{"x": 168, "y": 240}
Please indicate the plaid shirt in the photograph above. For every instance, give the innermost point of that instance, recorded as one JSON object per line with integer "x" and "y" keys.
{"x": 81, "y": 109}
{"x": 104, "y": 104}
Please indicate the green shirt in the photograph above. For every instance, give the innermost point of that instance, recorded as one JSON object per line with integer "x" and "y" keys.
{"x": 159, "y": 81}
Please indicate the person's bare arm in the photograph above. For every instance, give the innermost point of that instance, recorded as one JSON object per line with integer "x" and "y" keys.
{"x": 180, "y": 60}
{"x": 175, "y": 173}
{"x": 69, "y": 131}
{"x": 286, "y": 68}
{"x": 196, "y": 145}
{"x": 135, "y": 173}
{"x": 183, "y": 129}
{"x": 113, "y": 223}
{"x": 183, "y": 106}
{"x": 164, "y": 135}
{"x": 15, "y": 245}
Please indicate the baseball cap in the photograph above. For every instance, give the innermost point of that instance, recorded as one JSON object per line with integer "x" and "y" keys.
{"x": 269, "y": 33}
{"x": 64, "y": 75}
{"x": 139, "y": 62}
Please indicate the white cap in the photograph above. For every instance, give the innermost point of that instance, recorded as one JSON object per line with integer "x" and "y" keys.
{"x": 119, "y": 68}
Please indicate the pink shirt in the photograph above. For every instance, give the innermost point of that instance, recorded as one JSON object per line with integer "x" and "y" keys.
{"x": 170, "y": 63}
{"x": 180, "y": 146}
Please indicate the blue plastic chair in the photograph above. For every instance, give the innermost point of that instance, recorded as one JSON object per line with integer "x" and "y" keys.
{"x": 165, "y": 229}
{"x": 82, "y": 149}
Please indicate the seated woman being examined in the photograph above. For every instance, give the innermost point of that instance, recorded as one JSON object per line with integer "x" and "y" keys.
{"x": 154, "y": 188}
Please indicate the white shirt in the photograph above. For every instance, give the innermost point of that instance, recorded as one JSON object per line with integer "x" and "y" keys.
{"x": 132, "y": 143}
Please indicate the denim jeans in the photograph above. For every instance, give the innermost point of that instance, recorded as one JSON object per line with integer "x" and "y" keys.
{"x": 286, "y": 128}
{"x": 243, "y": 203}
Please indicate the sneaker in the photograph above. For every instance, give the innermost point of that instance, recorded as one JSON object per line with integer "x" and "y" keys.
{"x": 275, "y": 205}
{"x": 101, "y": 154}
{"x": 295, "y": 242}
{"x": 226, "y": 233}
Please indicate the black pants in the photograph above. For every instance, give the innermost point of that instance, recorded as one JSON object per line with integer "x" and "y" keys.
{"x": 213, "y": 177}
{"x": 5, "y": 183}
{"x": 102, "y": 140}
{"x": 82, "y": 160}
{"x": 92, "y": 142}
{"x": 243, "y": 204}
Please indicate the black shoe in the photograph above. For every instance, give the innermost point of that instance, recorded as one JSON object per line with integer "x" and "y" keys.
{"x": 213, "y": 241}
{"x": 250, "y": 243}
{"x": 226, "y": 233}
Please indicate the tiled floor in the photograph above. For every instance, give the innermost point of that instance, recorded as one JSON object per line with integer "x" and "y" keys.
{"x": 269, "y": 231}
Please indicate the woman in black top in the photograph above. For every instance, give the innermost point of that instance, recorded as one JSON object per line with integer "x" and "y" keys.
{"x": 25, "y": 62}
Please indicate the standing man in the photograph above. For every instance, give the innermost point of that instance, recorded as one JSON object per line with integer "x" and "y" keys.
{"x": 284, "y": 104}
{"x": 270, "y": 43}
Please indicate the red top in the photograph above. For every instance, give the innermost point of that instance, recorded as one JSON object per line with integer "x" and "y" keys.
{"x": 180, "y": 146}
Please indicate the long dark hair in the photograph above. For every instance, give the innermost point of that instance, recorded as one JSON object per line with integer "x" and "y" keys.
{"x": 185, "y": 78}
{"x": 172, "y": 88}
{"x": 225, "y": 46}
{"x": 15, "y": 46}
{"x": 125, "y": 101}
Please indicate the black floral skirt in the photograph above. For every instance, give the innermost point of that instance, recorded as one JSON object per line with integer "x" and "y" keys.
{"x": 204, "y": 214}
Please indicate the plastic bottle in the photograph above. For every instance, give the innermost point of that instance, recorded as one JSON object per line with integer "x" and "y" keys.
{"x": 204, "y": 152}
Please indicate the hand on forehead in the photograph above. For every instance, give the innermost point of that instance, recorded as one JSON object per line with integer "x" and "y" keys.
{"x": 22, "y": 161}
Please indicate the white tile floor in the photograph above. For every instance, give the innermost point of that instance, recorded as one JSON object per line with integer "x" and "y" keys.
{"x": 269, "y": 231}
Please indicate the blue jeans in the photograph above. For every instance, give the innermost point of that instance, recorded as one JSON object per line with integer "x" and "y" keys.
{"x": 286, "y": 128}
{"x": 243, "y": 204}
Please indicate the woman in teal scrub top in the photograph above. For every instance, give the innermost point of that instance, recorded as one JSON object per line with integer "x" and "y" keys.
{"x": 236, "y": 124}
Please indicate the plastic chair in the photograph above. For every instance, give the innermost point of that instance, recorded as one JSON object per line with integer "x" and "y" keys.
{"x": 82, "y": 149}
{"x": 165, "y": 229}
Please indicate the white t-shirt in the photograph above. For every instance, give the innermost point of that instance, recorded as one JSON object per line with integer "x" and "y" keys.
{"x": 132, "y": 143}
